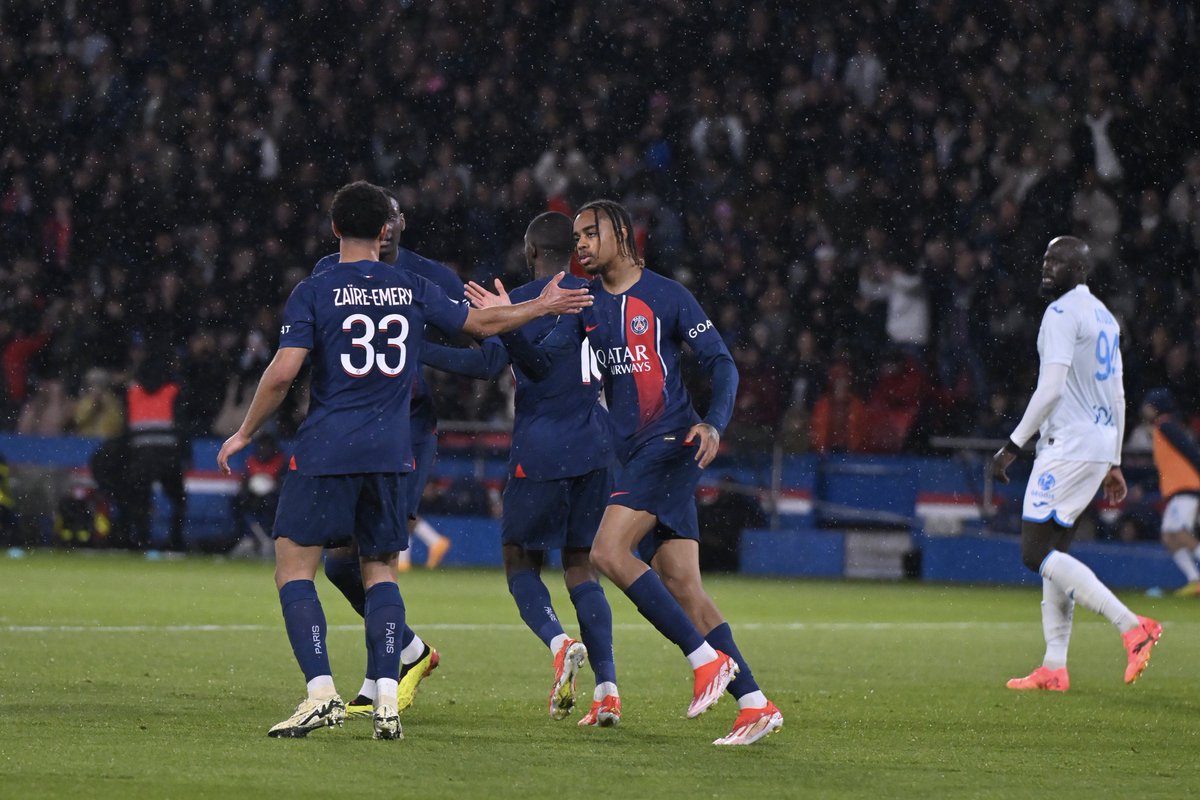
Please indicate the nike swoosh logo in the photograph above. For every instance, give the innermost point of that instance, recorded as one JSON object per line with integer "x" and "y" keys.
{"x": 589, "y": 328}
{"x": 1056, "y": 309}
{"x": 616, "y": 494}
{"x": 317, "y": 713}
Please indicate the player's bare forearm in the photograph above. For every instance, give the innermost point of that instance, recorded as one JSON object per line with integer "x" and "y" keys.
{"x": 272, "y": 389}
{"x": 709, "y": 444}
{"x": 483, "y": 322}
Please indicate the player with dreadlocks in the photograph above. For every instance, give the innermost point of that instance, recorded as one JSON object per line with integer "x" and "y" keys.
{"x": 637, "y": 328}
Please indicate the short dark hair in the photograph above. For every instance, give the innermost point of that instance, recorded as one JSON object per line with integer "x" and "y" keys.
{"x": 360, "y": 210}
{"x": 553, "y": 234}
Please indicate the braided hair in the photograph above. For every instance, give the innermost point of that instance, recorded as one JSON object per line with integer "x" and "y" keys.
{"x": 622, "y": 225}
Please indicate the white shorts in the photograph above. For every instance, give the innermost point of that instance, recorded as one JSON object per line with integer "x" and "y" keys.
{"x": 1180, "y": 514}
{"x": 1060, "y": 490}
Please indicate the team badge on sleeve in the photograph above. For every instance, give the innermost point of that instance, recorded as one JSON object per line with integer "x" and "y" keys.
{"x": 639, "y": 325}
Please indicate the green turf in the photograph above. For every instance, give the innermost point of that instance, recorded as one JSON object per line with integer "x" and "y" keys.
{"x": 888, "y": 691}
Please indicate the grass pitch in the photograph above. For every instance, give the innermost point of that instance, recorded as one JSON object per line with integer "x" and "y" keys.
{"x": 125, "y": 678}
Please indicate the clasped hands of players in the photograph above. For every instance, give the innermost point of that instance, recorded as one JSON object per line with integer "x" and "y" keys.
{"x": 709, "y": 436}
{"x": 1114, "y": 486}
{"x": 554, "y": 297}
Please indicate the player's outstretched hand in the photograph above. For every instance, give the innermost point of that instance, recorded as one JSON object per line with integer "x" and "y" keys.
{"x": 1114, "y": 486}
{"x": 482, "y": 298}
{"x": 710, "y": 442}
{"x": 1000, "y": 463}
{"x": 557, "y": 300}
{"x": 233, "y": 445}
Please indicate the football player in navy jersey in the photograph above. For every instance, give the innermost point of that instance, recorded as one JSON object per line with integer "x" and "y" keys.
{"x": 637, "y": 329}
{"x": 363, "y": 324}
{"x": 417, "y": 659}
{"x": 558, "y": 479}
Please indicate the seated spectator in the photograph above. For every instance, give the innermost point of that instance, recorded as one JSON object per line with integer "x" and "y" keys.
{"x": 82, "y": 516}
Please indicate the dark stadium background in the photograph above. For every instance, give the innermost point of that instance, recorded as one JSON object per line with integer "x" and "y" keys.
{"x": 858, "y": 196}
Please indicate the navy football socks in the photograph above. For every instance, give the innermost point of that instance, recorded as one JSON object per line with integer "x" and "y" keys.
{"x": 721, "y": 638}
{"x": 533, "y": 603}
{"x": 664, "y": 612}
{"x": 384, "y": 623}
{"x": 595, "y": 628}
{"x": 305, "y": 622}
{"x": 346, "y": 575}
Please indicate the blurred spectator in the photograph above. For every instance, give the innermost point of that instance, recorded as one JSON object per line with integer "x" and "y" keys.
{"x": 723, "y": 518}
{"x": 156, "y": 452}
{"x": 816, "y": 172}
{"x": 1097, "y": 216}
{"x": 1177, "y": 460}
{"x": 82, "y": 516}
{"x": 255, "y": 503}
{"x": 961, "y": 320}
{"x": 98, "y": 411}
{"x": 839, "y": 418}
{"x": 1183, "y": 204}
{"x": 8, "y": 511}
{"x": 998, "y": 420}
{"x": 896, "y": 401}
{"x": 109, "y": 467}
{"x": 907, "y": 317}
{"x": 758, "y": 405}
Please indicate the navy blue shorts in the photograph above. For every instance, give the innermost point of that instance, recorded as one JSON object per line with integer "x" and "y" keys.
{"x": 661, "y": 477}
{"x": 424, "y": 450}
{"x": 333, "y": 510}
{"x": 551, "y": 515}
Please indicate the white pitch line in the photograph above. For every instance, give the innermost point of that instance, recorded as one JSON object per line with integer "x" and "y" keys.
{"x": 637, "y": 626}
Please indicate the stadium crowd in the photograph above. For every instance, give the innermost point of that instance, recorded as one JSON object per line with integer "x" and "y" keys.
{"x": 860, "y": 198}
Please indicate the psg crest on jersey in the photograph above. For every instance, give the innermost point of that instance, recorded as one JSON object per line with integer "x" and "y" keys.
{"x": 639, "y": 325}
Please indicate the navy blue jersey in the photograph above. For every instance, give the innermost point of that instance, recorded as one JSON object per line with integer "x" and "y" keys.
{"x": 363, "y": 323}
{"x": 637, "y": 340}
{"x": 424, "y": 415}
{"x": 560, "y": 430}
